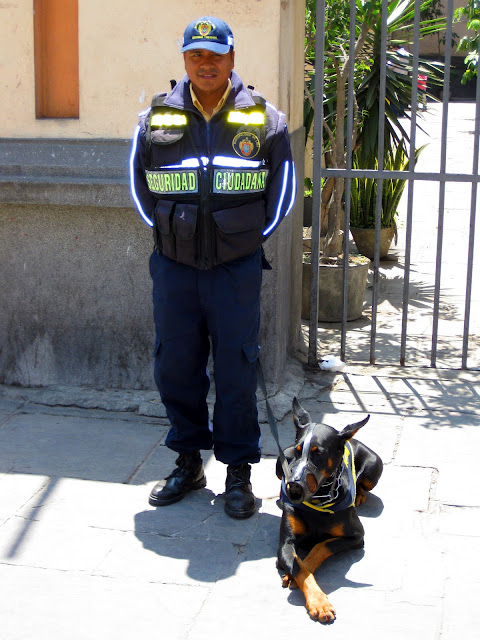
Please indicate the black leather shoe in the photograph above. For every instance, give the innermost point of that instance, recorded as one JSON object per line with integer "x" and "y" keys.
{"x": 189, "y": 475}
{"x": 239, "y": 499}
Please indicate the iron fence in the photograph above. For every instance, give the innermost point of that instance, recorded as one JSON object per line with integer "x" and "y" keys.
{"x": 442, "y": 177}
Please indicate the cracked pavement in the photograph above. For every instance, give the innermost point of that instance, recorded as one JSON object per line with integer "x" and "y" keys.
{"x": 83, "y": 552}
{"x": 83, "y": 555}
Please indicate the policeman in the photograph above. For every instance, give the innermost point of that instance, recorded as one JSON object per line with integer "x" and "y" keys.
{"x": 211, "y": 171}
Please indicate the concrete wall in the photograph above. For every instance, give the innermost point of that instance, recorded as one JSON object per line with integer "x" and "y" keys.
{"x": 130, "y": 50}
{"x": 431, "y": 45}
{"x": 76, "y": 293}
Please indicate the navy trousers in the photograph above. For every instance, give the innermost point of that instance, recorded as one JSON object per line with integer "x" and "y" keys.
{"x": 191, "y": 308}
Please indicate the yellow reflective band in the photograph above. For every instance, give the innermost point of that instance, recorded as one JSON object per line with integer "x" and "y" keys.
{"x": 241, "y": 117}
{"x": 168, "y": 120}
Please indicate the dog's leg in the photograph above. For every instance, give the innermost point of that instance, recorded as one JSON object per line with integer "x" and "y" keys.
{"x": 318, "y": 605}
{"x": 369, "y": 468}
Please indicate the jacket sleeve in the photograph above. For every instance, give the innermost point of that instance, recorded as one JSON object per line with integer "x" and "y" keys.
{"x": 281, "y": 186}
{"x": 144, "y": 201}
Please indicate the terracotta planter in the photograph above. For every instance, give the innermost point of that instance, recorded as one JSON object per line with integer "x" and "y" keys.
{"x": 365, "y": 241}
{"x": 330, "y": 288}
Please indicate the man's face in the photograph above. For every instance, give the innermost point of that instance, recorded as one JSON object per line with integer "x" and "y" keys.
{"x": 208, "y": 71}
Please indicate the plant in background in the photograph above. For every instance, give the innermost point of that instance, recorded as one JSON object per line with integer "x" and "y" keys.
{"x": 471, "y": 11}
{"x": 364, "y": 190}
{"x": 366, "y": 52}
{"x": 398, "y": 85}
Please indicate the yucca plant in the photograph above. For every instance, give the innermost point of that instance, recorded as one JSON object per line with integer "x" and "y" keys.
{"x": 364, "y": 190}
{"x": 367, "y": 110}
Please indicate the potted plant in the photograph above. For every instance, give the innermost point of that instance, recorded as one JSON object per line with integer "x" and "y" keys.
{"x": 331, "y": 261}
{"x": 363, "y": 196}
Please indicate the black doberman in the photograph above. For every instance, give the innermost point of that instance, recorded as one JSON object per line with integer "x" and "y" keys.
{"x": 328, "y": 475}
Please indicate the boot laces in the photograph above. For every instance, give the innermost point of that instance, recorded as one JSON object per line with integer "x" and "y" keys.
{"x": 238, "y": 476}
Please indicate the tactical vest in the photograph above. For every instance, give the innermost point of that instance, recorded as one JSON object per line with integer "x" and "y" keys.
{"x": 210, "y": 208}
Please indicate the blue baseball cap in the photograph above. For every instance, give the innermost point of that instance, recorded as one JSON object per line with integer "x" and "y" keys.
{"x": 208, "y": 33}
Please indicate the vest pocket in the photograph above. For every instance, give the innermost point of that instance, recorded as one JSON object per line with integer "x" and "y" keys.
{"x": 184, "y": 225}
{"x": 164, "y": 236}
{"x": 238, "y": 230}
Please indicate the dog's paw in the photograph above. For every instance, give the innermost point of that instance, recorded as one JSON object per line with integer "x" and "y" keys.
{"x": 286, "y": 581}
{"x": 320, "y": 608}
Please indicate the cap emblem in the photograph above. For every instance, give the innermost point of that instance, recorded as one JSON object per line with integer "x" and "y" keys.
{"x": 204, "y": 27}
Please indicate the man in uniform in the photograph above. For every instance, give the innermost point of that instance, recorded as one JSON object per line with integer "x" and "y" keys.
{"x": 211, "y": 171}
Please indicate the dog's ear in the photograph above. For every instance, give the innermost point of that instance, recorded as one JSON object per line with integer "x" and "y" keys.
{"x": 352, "y": 429}
{"x": 301, "y": 418}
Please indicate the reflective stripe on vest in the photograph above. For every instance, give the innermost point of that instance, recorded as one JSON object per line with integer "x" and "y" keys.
{"x": 239, "y": 180}
{"x": 172, "y": 182}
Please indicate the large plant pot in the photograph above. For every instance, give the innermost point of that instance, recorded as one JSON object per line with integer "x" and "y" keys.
{"x": 330, "y": 289}
{"x": 365, "y": 241}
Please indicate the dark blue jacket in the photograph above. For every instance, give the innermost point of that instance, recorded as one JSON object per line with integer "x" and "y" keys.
{"x": 212, "y": 191}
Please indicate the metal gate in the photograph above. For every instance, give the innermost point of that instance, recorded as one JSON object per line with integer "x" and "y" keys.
{"x": 447, "y": 224}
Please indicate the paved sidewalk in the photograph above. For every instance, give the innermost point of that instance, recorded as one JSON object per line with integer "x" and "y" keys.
{"x": 83, "y": 555}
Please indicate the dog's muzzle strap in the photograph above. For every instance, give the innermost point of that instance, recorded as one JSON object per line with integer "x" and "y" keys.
{"x": 271, "y": 419}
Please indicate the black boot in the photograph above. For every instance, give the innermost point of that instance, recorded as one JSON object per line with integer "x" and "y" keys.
{"x": 188, "y": 475}
{"x": 239, "y": 499}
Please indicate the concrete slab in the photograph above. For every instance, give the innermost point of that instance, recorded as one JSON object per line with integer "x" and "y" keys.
{"x": 46, "y": 604}
{"x": 16, "y": 490}
{"x": 63, "y": 546}
{"x": 461, "y": 597}
{"x": 107, "y": 450}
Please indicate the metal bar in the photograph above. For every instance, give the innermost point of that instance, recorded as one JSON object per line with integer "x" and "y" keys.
{"x": 471, "y": 239}
{"x": 381, "y": 142}
{"x": 317, "y": 182}
{"x": 411, "y": 183}
{"x": 439, "y": 176}
{"x": 348, "y": 183}
{"x": 441, "y": 202}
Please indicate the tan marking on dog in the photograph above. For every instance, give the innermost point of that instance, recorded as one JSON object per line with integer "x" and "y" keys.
{"x": 318, "y": 605}
{"x": 367, "y": 484}
{"x": 311, "y": 482}
{"x": 317, "y": 556}
{"x": 297, "y": 526}
{"x": 338, "y": 531}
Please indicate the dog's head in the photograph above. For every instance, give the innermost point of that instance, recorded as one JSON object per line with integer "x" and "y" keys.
{"x": 316, "y": 456}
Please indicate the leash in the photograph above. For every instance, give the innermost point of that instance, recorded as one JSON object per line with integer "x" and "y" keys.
{"x": 271, "y": 418}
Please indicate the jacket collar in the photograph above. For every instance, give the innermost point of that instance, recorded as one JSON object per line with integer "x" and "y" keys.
{"x": 238, "y": 98}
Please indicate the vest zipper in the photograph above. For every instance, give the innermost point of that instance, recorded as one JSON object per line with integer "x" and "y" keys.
{"x": 208, "y": 221}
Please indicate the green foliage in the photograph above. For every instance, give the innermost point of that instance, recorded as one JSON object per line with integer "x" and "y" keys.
{"x": 364, "y": 190}
{"x": 470, "y": 43}
{"x": 366, "y": 89}
{"x": 398, "y": 86}
{"x": 368, "y": 63}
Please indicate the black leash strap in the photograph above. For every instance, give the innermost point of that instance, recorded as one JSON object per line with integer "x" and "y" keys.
{"x": 271, "y": 418}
